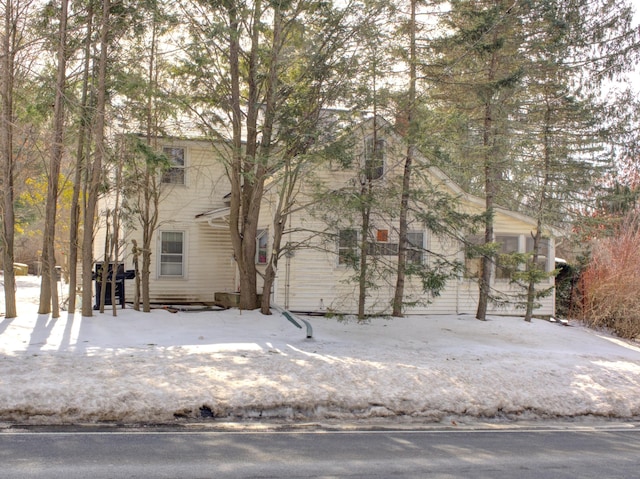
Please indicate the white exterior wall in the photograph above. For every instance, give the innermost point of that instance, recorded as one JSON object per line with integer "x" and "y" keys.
{"x": 208, "y": 266}
{"x": 312, "y": 281}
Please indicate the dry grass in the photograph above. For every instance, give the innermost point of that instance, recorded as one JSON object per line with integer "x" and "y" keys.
{"x": 610, "y": 285}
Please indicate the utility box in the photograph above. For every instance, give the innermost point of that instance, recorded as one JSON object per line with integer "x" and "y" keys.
{"x": 121, "y": 276}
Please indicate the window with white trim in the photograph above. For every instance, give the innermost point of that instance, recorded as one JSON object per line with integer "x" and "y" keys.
{"x": 176, "y": 173}
{"x": 347, "y": 246}
{"x": 543, "y": 252}
{"x": 473, "y": 259}
{"x": 508, "y": 244}
{"x": 374, "y": 153}
{"x": 415, "y": 247}
{"x": 172, "y": 257}
{"x": 262, "y": 240}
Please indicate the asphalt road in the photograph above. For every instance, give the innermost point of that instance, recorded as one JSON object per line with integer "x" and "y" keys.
{"x": 583, "y": 453}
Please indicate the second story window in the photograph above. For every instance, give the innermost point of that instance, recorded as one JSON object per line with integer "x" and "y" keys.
{"x": 175, "y": 174}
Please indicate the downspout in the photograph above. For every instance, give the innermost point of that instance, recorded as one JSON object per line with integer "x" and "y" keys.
{"x": 287, "y": 268}
{"x": 294, "y": 320}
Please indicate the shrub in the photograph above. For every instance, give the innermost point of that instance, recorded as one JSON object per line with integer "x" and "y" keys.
{"x": 610, "y": 284}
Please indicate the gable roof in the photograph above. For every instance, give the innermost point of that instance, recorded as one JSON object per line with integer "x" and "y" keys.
{"x": 445, "y": 180}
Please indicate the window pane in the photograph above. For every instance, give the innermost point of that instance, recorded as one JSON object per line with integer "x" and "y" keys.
{"x": 508, "y": 244}
{"x": 348, "y": 238}
{"x": 175, "y": 155}
{"x": 415, "y": 248}
{"x": 347, "y": 246}
{"x": 543, "y": 252}
{"x": 473, "y": 262}
{"x": 543, "y": 246}
{"x": 382, "y": 249}
{"x": 374, "y": 158}
{"x": 171, "y": 269}
{"x": 172, "y": 253}
{"x": 261, "y": 247}
{"x": 175, "y": 174}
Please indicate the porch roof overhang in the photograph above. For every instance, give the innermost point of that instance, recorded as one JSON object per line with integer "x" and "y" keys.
{"x": 218, "y": 218}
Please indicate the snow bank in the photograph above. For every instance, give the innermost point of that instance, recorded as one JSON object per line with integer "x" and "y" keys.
{"x": 167, "y": 367}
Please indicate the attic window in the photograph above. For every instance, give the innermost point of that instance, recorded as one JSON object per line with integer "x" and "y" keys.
{"x": 382, "y": 236}
{"x": 374, "y": 153}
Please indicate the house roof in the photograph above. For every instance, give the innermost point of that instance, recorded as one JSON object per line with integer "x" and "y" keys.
{"x": 441, "y": 176}
{"x": 217, "y": 218}
{"x": 220, "y": 217}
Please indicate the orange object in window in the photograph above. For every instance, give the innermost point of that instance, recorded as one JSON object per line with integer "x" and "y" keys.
{"x": 383, "y": 235}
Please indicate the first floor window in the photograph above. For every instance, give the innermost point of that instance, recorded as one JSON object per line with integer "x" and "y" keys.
{"x": 543, "y": 252}
{"x": 382, "y": 249}
{"x": 473, "y": 258}
{"x": 505, "y": 261}
{"x": 508, "y": 245}
{"x": 172, "y": 253}
{"x": 347, "y": 246}
{"x": 262, "y": 240}
{"x": 415, "y": 248}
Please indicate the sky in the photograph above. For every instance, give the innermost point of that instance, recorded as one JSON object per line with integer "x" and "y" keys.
{"x": 228, "y": 366}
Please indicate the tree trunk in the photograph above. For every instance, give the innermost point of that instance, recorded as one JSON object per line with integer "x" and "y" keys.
{"x": 146, "y": 272}
{"x": 8, "y": 167}
{"x": 366, "y": 196}
{"x": 531, "y": 287}
{"x": 247, "y": 177}
{"x": 96, "y": 167}
{"x": 83, "y": 140}
{"x": 136, "y": 268}
{"x": 490, "y": 188}
{"x": 151, "y": 192}
{"x": 115, "y": 243}
{"x": 272, "y": 265}
{"x": 49, "y": 293}
{"x": 398, "y": 297}
{"x": 106, "y": 261}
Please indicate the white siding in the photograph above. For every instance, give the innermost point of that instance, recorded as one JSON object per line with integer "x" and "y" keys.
{"x": 310, "y": 279}
{"x": 209, "y": 265}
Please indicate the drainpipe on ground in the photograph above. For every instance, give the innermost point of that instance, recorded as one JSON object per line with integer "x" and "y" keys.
{"x": 294, "y": 320}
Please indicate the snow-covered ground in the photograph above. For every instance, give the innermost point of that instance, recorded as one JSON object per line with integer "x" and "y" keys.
{"x": 165, "y": 367}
